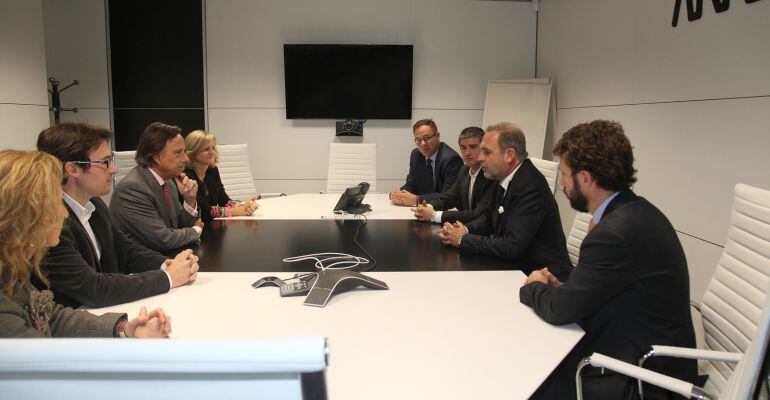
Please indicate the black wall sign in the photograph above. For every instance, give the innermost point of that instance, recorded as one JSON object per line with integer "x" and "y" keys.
{"x": 695, "y": 9}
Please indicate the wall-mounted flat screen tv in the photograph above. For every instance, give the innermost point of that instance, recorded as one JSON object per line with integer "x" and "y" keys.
{"x": 341, "y": 81}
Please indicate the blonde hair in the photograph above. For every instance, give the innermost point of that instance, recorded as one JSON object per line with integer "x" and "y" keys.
{"x": 196, "y": 141}
{"x": 30, "y": 206}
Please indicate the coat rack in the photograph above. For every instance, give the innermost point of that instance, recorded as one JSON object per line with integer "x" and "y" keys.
{"x": 55, "y": 101}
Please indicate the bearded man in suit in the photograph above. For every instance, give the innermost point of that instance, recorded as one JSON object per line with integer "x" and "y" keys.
{"x": 630, "y": 289}
{"x": 522, "y": 225}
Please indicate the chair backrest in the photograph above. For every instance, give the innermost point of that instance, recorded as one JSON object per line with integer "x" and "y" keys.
{"x": 125, "y": 161}
{"x": 731, "y": 308}
{"x": 235, "y": 171}
{"x": 743, "y": 381}
{"x": 549, "y": 169}
{"x": 576, "y": 235}
{"x": 163, "y": 369}
{"x": 351, "y": 164}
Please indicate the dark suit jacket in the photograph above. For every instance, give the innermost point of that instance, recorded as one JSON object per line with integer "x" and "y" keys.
{"x": 138, "y": 208}
{"x": 448, "y": 164}
{"x": 77, "y": 278}
{"x": 211, "y": 191}
{"x": 457, "y": 196}
{"x": 630, "y": 290}
{"x": 528, "y": 232}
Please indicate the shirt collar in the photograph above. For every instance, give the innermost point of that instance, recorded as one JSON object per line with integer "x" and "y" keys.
{"x": 433, "y": 157}
{"x": 471, "y": 174}
{"x": 600, "y": 210}
{"x": 507, "y": 180}
{"x": 160, "y": 180}
{"x": 83, "y": 213}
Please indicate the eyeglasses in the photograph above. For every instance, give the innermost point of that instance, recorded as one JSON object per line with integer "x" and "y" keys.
{"x": 107, "y": 162}
{"x": 425, "y": 138}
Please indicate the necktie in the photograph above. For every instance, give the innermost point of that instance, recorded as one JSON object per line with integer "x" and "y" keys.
{"x": 429, "y": 176}
{"x": 499, "y": 195}
{"x": 591, "y": 225}
{"x": 166, "y": 195}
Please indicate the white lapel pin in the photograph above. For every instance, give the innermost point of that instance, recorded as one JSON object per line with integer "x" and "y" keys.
{"x": 500, "y": 210}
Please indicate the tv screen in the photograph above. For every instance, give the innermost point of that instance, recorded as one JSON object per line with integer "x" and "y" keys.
{"x": 348, "y": 81}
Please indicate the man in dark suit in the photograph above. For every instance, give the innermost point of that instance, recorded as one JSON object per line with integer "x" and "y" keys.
{"x": 630, "y": 289}
{"x": 433, "y": 167}
{"x": 85, "y": 267}
{"x": 471, "y": 194}
{"x": 523, "y": 224}
{"x": 146, "y": 206}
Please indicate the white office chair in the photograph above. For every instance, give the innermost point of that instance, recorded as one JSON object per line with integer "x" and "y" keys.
{"x": 126, "y": 369}
{"x": 125, "y": 161}
{"x": 351, "y": 164}
{"x": 740, "y": 384}
{"x": 549, "y": 169}
{"x": 576, "y": 235}
{"x": 235, "y": 171}
{"x": 731, "y": 309}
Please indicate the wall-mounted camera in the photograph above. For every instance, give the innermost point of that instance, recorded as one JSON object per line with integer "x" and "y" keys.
{"x": 350, "y": 127}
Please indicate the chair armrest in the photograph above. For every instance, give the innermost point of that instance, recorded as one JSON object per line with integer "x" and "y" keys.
{"x": 697, "y": 354}
{"x": 675, "y": 385}
{"x": 266, "y": 195}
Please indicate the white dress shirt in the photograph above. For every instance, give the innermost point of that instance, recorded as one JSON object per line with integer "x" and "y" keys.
{"x": 84, "y": 214}
{"x": 436, "y": 217}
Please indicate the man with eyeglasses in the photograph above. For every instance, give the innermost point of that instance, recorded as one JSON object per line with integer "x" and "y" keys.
{"x": 433, "y": 167}
{"x": 89, "y": 265}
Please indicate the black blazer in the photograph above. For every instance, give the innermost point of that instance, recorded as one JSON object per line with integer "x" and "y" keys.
{"x": 457, "y": 196}
{"x": 629, "y": 291}
{"x": 77, "y": 278}
{"x": 211, "y": 191}
{"x": 448, "y": 164}
{"x": 531, "y": 236}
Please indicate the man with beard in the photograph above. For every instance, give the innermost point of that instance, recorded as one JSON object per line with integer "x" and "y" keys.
{"x": 522, "y": 225}
{"x": 630, "y": 288}
{"x": 146, "y": 206}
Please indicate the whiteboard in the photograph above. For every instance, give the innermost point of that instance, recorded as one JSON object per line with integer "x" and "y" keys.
{"x": 524, "y": 102}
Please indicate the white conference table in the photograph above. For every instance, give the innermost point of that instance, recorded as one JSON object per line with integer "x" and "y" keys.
{"x": 433, "y": 335}
{"x": 320, "y": 206}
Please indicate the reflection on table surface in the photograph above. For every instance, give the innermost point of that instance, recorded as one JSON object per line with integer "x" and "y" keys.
{"x": 396, "y": 245}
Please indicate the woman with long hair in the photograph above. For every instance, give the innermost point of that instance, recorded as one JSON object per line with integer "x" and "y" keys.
{"x": 31, "y": 218}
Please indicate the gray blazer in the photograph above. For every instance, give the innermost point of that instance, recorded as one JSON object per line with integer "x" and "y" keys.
{"x": 138, "y": 208}
{"x": 34, "y": 314}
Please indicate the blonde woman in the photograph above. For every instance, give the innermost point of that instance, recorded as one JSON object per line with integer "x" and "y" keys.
{"x": 201, "y": 148}
{"x": 31, "y": 218}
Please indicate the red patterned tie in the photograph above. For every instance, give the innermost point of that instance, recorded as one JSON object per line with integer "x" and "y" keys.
{"x": 166, "y": 195}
